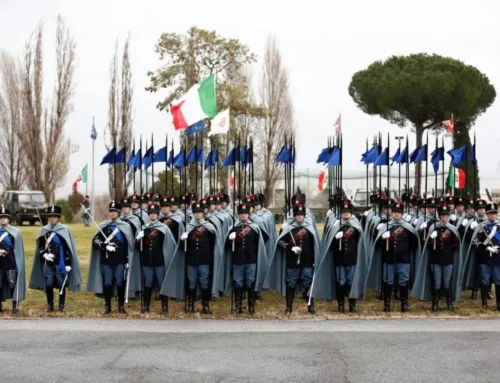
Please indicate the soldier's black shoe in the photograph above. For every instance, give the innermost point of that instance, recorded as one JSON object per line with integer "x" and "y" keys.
{"x": 352, "y": 305}
{"x": 449, "y": 300}
{"x": 191, "y": 299}
{"x": 108, "y": 292}
{"x": 404, "y": 299}
{"x": 238, "y": 297}
{"x": 251, "y": 301}
{"x": 205, "y": 299}
{"x": 121, "y": 300}
{"x": 62, "y": 301}
{"x": 147, "y": 299}
{"x": 164, "y": 304}
{"x": 15, "y": 307}
{"x": 340, "y": 298}
{"x": 387, "y": 298}
{"x": 473, "y": 295}
{"x": 49, "y": 292}
{"x": 435, "y": 302}
{"x": 484, "y": 296}
{"x": 310, "y": 308}
{"x": 290, "y": 294}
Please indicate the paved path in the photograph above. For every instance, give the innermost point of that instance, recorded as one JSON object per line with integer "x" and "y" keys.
{"x": 408, "y": 350}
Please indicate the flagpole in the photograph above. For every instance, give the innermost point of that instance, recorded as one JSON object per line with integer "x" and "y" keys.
{"x": 166, "y": 164}
{"x": 114, "y": 170}
{"x": 474, "y": 167}
{"x": 172, "y": 171}
{"x": 93, "y": 168}
{"x": 435, "y": 173}
{"x": 125, "y": 171}
{"x": 133, "y": 187}
{"x": 202, "y": 167}
{"x": 140, "y": 167}
{"x": 146, "y": 170}
{"x": 466, "y": 171}
{"x": 442, "y": 175}
{"x": 367, "y": 188}
{"x": 152, "y": 165}
{"x": 399, "y": 168}
{"x": 426, "y": 167}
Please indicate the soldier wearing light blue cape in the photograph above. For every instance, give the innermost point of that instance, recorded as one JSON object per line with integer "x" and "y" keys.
{"x": 429, "y": 276}
{"x": 120, "y": 237}
{"x": 251, "y": 265}
{"x": 135, "y": 204}
{"x": 13, "y": 284}
{"x": 334, "y": 281}
{"x": 208, "y": 280}
{"x": 127, "y": 216}
{"x": 173, "y": 221}
{"x": 54, "y": 274}
{"x": 395, "y": 270}
{"x": 286, "y": 279}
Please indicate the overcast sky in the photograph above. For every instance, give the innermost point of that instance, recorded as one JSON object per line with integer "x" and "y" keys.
{"x": 323, "y": 44}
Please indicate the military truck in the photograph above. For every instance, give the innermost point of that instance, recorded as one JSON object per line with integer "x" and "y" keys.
{"x": 25, "y": 206}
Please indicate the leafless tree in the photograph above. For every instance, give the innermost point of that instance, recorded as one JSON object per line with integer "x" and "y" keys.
{"x": 278, "y": 119}
{"x": 120, "y": 117}
{"x": 11, "y": 115}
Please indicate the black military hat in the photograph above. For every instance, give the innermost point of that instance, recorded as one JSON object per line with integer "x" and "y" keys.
{"x": 224, "y": 197}
{"x": 157, "y": 198}
{"x": 4, "y": 213}
{"x": 125, "y": 202}
{"x": 419, "y": 202}
{"x": 397, "y": 207}
{"x": 212, "y": 200}
{"x": 183, "y": 199}
{"x": 135, "y": 198}
{"x": 153, "y": 207}
{"x": 386, "y": 203}
{"x": 204, "y": 203}
{"x": 430, "y": 202}
{"x": 249, "y": 200}
{"x": 460, "y": 201}
{"x": 299, "y": 209}
{"x": 443, "y": 209}
{"x": 470, "y": 202}
{"x": 449, "y": 199}
{"x": 243, "y": 208}
{"x": 197, "y": 207}
{"x": 374, "y": 198}
{"x": 53, "y": 211}
{"x": 491, "y": 207}
{"x": 405, "y": 197}
{"x": 193, "y": 196}
{"x": 299, "y": 199}
{"x": 114, "y": 206}
{"x": 173, "y": 201}
{"x": 146, "y": 197}
{"x": 440, "y": 200}
{"x": 165, "y": 201}
{"x": 412, "y": 199}
{"x": 481, "y": 204}
{"x": 260, "y": 199}
{"x": 346, "y": 206}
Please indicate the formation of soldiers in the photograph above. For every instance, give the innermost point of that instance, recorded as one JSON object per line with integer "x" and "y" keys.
{"x": 186, "y": 248}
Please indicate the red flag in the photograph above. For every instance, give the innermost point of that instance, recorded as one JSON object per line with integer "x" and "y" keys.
{"x": 450, "y": 124}
{"x": 75, "y": 185}
{"x": 322, "y": 180}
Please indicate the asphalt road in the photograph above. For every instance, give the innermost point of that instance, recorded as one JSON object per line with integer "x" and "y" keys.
{"x": 408, "y": 350}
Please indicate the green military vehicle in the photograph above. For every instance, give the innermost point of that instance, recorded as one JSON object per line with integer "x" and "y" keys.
{"x": 25, "y": 206}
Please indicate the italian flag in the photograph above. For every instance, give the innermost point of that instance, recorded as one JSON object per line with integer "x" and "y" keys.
{"x": 456, "y": 178}
{"x": 322, "y": 180}
{"x": 196, "y": 105}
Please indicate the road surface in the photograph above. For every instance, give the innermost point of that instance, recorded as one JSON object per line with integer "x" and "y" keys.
{"x": 407, "y": 350}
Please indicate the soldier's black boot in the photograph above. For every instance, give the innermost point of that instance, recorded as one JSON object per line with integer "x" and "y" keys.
{"x": 352, "y": 305}
{"x": 404, "y": 299}
{"x": 121, "y": 300}
{"x": 497, "y": 293}
{"x": 304, "y": 296}
{"x": 442, "y": 293}
{"x": 449, "y": 301}
{"x": 251, "y": 301}
{"x": 290, "y": 293}
{"x": 238, "y": 298}
{"x": 15, "y": 307}
{"x": 310, "y": 307}
{"x": 49, "y": 291}
{"x": 397, "y": 293}
{"x": 108, "y": 292}
{"x": 473, "y": 295}
{"x": 484, "y": 296}
{"x": 435, "y": 301}
{"x": 147, "y": 299}
{"x": 191, "y": 299}
{"x": 62, "y": 300}
{"x": 380, "y": 296}
{"x": 387, "y": 298}
{"x": 340, "y": 298}
{"x": 164, "y": 304}
{"x": 205, "y": 299}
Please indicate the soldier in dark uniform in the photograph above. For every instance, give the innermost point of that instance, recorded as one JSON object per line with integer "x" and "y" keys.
{"x": 166, "y": 216}
{"x": 153, "y": 257}
{"x": 114, "y": 259}
{"x": 244, "y": 259}
{"x": 56, "y": 257}
{"x": 145, "y": 200}
{"x": 135, "y": 204}
{"x": 201, "y": 242}
{"x": 127, "y": 216}
{"x": 480, "y": 216}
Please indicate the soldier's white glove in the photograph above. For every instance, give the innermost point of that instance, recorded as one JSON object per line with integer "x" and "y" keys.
{"x": 366, "y": 213}
{"x": 386, "y": 235}
{"x": 140, "y": 235}
{"x": 126, "y": 266}
{"x": 111, "y": 248}
{"x": 453, "y": 218}
{"x": 2, "y": 253}
{"x": 408, "y": 218}
{"x": 297, "y": 249}
{"x": 473, "y": 225}
{"x": 423, "y": 226}
{"x": 339, "y": 235}
{"x": 465, "y": 222}
{"x": 492, "y": 249}
{"x": 380, "y": 226}
{"x": 184, "y": 236}
{"x": 284, "y": 226}
{"x": 434, "y": 234}
{"x": 68, "y": 269}
{"x": 49, "y": 257}
{"x": 232, "y": 236}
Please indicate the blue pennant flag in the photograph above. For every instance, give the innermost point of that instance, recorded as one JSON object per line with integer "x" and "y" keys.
{"x": 120, "y": 157}
{"x": 130, "y": 161}
{"x": 170, "y": 160}
{"x": 197, "y": 127}
{"x": 179, "y": 159}
{"x": 109, "y": 158}
{"x": 403, "y": 157}
{"x": 191, "y": 156}
{"x": 383, "y": 159}
{"x": 324, "y": 156}
{"x": 208, "y": 160}
{"x": 437, "y": 155}
{"x": 472, "y": 155}
{"x": 414, "y": 154}
{"x": 396, "y": 157}
{"x": 457, "y": 155}
{"x": 370, "y": 156}
{"x": 422, "y": 154}
{"x": 230, "y": 159}
{"x": 334, "y": 159}
{"x": 93, "y": 132}
{"x": 199, "y": 157}
{"x": 148, "y": 158}
{"x": 161, "y": 155}
{"x": 285, "y": 155}
{"x": 243, "y": 155}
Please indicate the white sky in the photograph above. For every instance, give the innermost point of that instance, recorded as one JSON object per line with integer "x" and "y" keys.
{"x": 323, "y": 44}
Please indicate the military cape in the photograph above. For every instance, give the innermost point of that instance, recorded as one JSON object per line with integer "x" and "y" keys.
{"x": 19, "y": 293}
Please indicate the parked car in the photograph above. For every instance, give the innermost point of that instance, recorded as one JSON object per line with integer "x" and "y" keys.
{"x": 25, "y": 206}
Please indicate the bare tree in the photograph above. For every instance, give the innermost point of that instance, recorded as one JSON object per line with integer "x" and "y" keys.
{"x": 278, "y": 119}
{"x": 120, "y": 117}
{"x": 11, "y": 115}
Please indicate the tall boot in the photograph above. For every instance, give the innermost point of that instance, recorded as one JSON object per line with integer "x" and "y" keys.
{"x": 147, "y": 299}
{"x": 497, "y": 294}
{"x": 435, "y": 301}
{"x": 484, "y": 296}
{"x": 121, "y": 300}
{"x": 49, "y": 291}
{"x": 62, "y": 300}
{"x": 290, "y": 294}
{"x": 340, "y": 298}
{"x": 387, "y": 297}
{"x": 251, "y": 300}
{"x": 352, "y": 305}
{"x": 15, "y": 307}
{"x": 449, "y": 301}
{"x": 473, "y": 295}
{"x": 205, "y": 299}
{"x": 108, "y": 293}
{"x": 164, "y": 304}
{"x": 191, "y": 298}
{"x": 397, "y": 293}
{"x": 380, "y": 296}
{"x": 310, "y": 307}
{"x": 238, "y": 297}
{"x": 404, "y": 299}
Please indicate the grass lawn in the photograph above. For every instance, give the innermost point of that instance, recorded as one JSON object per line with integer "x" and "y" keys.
{"x": 84, "y": 304}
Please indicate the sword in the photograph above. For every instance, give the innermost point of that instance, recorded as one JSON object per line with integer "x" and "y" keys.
{"x": 291, "y": 235}
{"x": 64, "y": 283}
{"x": 106, "y": 240}
{"x": 125, "y": 275}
